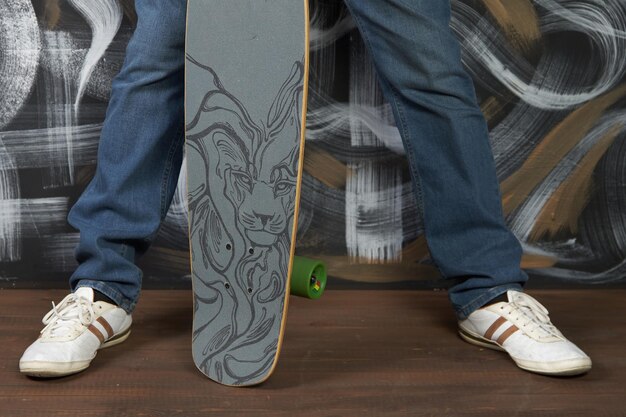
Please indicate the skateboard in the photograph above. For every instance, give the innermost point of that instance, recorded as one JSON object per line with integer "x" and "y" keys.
{"x": 246, "y": 74}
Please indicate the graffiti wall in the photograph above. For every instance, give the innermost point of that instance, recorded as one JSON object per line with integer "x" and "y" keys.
{"x": 549, "y": 74}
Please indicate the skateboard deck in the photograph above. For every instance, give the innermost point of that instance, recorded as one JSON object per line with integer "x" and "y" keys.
{"x": 245, "y": 110}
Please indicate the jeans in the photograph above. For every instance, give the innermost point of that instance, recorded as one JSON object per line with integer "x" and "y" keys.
{"x": 417, "y": 59}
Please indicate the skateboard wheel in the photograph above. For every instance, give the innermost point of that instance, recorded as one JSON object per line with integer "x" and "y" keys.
{"x": 308, "y": 278}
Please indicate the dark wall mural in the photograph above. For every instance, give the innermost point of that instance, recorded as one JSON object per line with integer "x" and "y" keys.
{"x": 549, "y": 74}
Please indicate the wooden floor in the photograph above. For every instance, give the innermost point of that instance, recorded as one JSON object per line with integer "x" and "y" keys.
{"x": 352, "y": 353}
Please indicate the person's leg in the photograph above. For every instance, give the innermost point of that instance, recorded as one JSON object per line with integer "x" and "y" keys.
{"x": 418, "y": 63}
{"x": 119, "y": 213}
{"x": 139, "y": 156}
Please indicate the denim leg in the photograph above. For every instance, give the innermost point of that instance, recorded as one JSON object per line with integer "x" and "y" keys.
{"x": 418, "y": 62}
{"x": 139, "y": 157}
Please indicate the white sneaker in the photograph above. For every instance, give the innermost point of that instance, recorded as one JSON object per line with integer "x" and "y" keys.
{"x": 75, "y": 330}
{"x": 521, "y": 327}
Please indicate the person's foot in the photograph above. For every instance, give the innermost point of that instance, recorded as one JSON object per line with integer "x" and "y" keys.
{"x": 75, "y": 330}
{"x": 521, "y": 327}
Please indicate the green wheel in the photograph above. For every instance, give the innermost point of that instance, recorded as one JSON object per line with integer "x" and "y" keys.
{"x": 308, "y": 278}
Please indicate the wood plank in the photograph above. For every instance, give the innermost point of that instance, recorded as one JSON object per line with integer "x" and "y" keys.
{"x": 351, "y": 353}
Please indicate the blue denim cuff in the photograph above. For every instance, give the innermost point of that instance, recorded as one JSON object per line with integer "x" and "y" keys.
{"x": 125, "y": 303}
{"x": 465, "y": 310}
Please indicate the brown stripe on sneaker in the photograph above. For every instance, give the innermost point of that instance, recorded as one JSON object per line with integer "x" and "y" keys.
{"x": 505, "y": 335}
{"x": 119, "y": 336}
{"x": 494, "y": 326}
{"x": 106, "y": 326}
{"x": 93, "y": 329}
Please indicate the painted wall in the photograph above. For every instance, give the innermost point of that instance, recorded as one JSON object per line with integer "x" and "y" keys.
{"x": 550, "y": 79}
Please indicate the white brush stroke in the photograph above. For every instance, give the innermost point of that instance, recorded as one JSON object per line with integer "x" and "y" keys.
{"x": 340, "y": 119}
{"x": 609, "y": 46}
{"x": 374, "y": 212}
{"x": 58, "y": 86}
{"x": 527, "y": 214}
{"x": 104, "y": 18}
{"x": 577, "y": 12}
{"x": 19, "y": 58}
{"x": 10, "y": 226}
{"x": 20, "y": 47}
{"x": 38, "y": 216}
{"x": 29, "y": 151}
{"x": 320, "y": 38}
{"x": 374, "y": 189}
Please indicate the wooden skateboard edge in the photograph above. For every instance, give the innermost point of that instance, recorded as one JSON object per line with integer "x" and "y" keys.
{"x": 303, "y": 115}
{"x": 193, "y": 291}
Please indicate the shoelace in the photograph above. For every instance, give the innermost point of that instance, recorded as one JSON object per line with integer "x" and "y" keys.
{"x": 72, "y": 311}
{"x": 535, "y": 312}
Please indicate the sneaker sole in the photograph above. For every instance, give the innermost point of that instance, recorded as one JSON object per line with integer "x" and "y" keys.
{"x": 40, "y": 369}
{"x": 561, "y": 368}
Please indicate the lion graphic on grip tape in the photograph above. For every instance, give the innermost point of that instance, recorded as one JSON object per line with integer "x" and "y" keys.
{"x": 247, "y": 178}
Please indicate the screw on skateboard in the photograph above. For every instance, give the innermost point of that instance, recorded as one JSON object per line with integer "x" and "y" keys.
{"x": 245, "y": 98}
